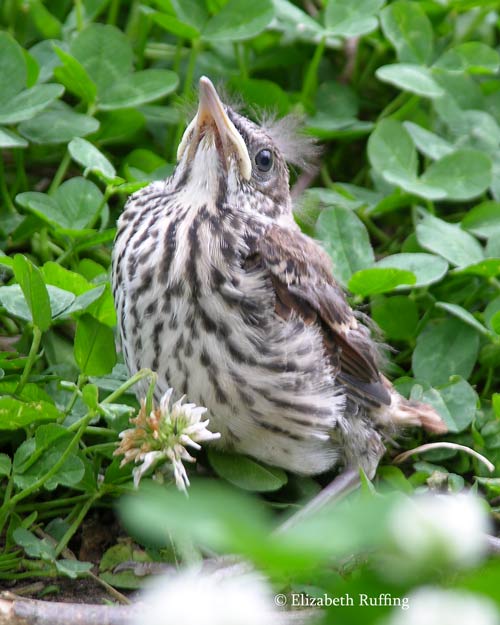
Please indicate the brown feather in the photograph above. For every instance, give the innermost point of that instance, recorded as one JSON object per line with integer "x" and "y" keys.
{"x": 304, "y": 285}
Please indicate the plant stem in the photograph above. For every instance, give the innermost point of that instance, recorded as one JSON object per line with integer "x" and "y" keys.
{"x": 311, "y": 77}
{"x": 4, "y": 191}
{"x": 140, "y": 375}
{"x": 114, "y": 7}
{"x": 68, "y": 535}
{"x": 239, "y": 53}
{"x": 60, "y": 173}
{"x": 35, "y": 344}
{"x": 79, "y": 15}
{"x": 49, "y": 505}
{"x": 21, "y": 179}
{"x": 394, "y": 105}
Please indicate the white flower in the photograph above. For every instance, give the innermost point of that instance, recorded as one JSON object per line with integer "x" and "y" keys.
{"x": 163, "y": 435}
{"x": 432, "y": 606}
{"x": 194, "y": 597}
{"x": 440, "y": 529}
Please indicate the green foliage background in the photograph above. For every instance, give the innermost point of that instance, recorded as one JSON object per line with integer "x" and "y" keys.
{"x": 404, "y": 96}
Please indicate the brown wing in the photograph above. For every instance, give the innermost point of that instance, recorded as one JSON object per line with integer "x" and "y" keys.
{"x": 303, "y": 282}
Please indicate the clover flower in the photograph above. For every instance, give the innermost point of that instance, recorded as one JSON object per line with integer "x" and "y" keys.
{"x": 199, "y": 597}
{"x": 445, "y": 529}
{"x": 434, "y": 606}
{"x": 164, "y": 435}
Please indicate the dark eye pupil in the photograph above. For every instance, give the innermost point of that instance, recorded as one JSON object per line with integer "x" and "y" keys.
{"x": 264, "y": 160}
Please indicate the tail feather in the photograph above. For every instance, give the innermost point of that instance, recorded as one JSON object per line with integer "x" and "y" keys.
{"x": 405, "y": 413}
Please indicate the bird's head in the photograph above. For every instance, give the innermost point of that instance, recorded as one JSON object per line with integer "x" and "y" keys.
{"x": 226, "y": 158}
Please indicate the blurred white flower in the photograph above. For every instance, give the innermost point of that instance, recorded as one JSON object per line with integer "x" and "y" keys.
{"x": 164, "y": 435}
{"x": 440, "y": 529}
{"x": 432, "y": 606}
{"x": 196, "y": 597}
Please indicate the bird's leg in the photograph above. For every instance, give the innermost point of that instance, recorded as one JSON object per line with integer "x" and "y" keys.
{"x": 338, "y": 488}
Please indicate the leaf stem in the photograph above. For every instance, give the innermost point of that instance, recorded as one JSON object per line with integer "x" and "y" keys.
{"x": 239, "y": 53}
{"x": 311, "y": 77}
{"x": 4, "y": 191}
{"x": 114, "y": 7}
{"x": 400, "y": 100}
{"x": 140, "y": 375}
{"x": 60, "y": 173}
{"x": 35, "y": 344}
{"x": 79, "y": 15}
{"x": 68, "y": 535}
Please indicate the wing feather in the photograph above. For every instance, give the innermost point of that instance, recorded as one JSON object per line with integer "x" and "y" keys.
{"x": 304, "y": 285}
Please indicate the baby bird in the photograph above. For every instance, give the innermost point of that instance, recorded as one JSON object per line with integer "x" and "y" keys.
{"x": 218, "y": 291}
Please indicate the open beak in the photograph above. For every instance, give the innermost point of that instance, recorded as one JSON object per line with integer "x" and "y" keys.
{"x": 212, "y": 115}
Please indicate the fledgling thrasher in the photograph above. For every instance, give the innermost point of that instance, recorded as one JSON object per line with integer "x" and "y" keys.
{"x": 219, "y": 292}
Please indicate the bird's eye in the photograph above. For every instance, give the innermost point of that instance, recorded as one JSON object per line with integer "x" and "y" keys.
{"x": 264, "y": 160}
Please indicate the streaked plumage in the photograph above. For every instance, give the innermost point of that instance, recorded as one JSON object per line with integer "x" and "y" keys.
{"x": 218, "y": 291}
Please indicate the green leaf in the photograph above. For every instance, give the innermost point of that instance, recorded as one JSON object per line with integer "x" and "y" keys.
{"x": 397, "y": 316}
{"x": 27, "y": 471}
{"x": 483, "y": 220}
{"x": 351, "y": 19}
{"x": 139, "y": 88}
{"x": 90, "y": 158}
{"x": 379, "y": 280}
{"x": 73, "y": 568}
{"x": 191, "y": 12}
{"x": 426, "y": 267}
{"x": 463, "y": 315}
{"x": 246, "y": 473}
{"x": 34, "y": 547}
{"x": 58, "y": 126}
{"x": 214, "y": 514}
{"x": 73, "y": 75}
{"x": 95, "y": 351}
{"x": 427, "y": 142}
{"x": 79, "y": 202}
{"x": 410, "y": 77}
{"x": 28, "y": 103}
{"x": 105, "y": 53}
{"x": 14, "y": 301}
{"x": 239, "y": 19}
{"x": 391, "y": 150}
{"x": 15, "y": 414}
{"x": 9, "y": 139}
{"x": 491, "y": 311}
{"x": 75, "y": 205}
{"x": 65, "y": 279}
{"x": 474, "y": 57}
{"x": 409, "y": 30}
{"x": 346, "y": 240}
{"x": 5, "y": 464}
{"x": 488, "y": 268}
{"x": 35, "y": 292}
{"x": 448, "y": 240}
{"x": 296, "y": 24}
{"x": 463, "y": 175}
{"x": 445, "y": 348}
{"x": 13, "y": 73}
{"x": 456, "y": 403}
{"x": 262, "y": 94}
{"x": 175, "y": 26}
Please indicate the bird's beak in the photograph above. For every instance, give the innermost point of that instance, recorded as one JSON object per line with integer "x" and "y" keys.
{"x": 212, "y": 114}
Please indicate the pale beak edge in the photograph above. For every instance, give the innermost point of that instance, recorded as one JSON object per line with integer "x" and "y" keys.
{"x": 210, "y": 107}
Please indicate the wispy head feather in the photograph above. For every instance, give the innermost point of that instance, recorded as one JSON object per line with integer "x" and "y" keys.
{"x": 288, "y": 135}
